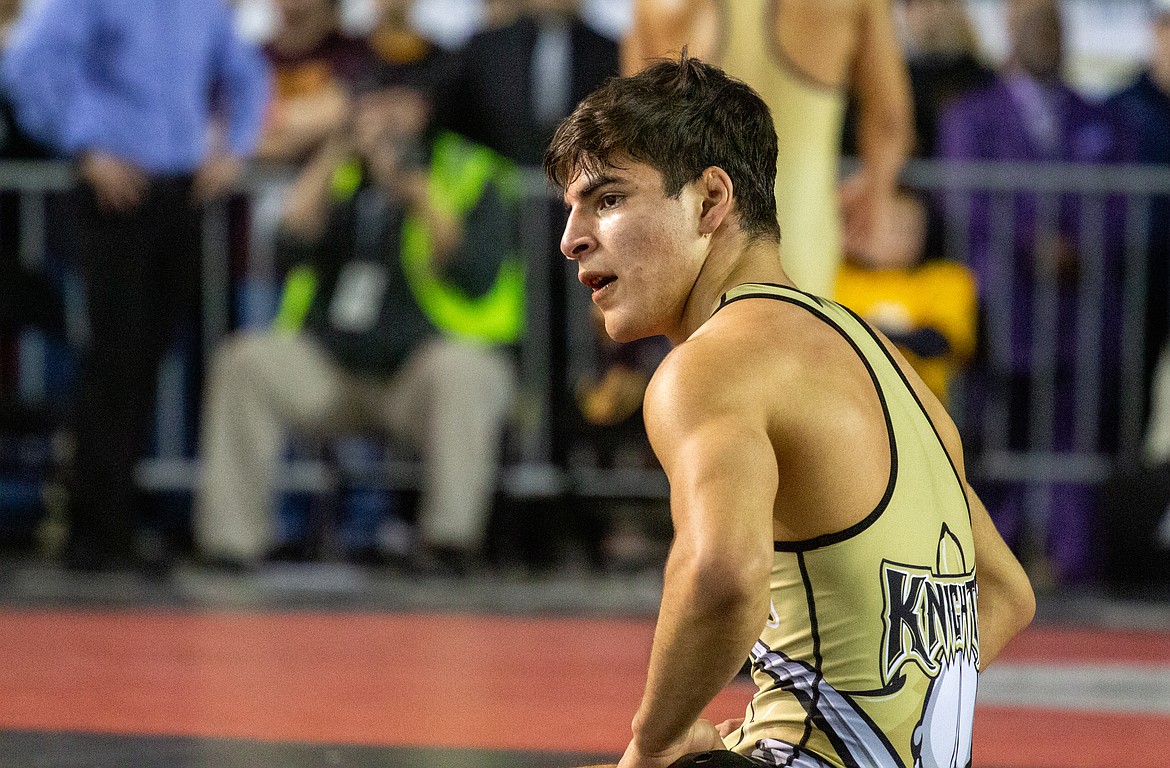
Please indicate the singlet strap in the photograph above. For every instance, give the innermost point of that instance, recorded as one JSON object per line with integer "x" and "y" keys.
{"x": 837, "y": 318}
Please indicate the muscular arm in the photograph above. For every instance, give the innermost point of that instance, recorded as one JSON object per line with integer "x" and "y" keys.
{"x": 885, "y": 121}
{"x": 710, "y": 436}
{"x": 882, "y": 85}
{"x": 1006, "y": 602}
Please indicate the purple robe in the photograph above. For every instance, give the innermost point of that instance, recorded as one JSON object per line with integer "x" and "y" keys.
{"x": 1032, "y": 305}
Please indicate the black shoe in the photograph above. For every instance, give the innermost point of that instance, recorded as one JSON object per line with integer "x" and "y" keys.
{"x": 443, "y": 562}
{"x": 226, "y": 565}
{"x": 291, "y": 552}
{"x": 82, "y": 559}
{"x": 371, "y": 556}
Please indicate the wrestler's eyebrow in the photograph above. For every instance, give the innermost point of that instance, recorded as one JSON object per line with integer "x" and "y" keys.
{"x": 595, "y": 185}
{"x": 590, "y": 189}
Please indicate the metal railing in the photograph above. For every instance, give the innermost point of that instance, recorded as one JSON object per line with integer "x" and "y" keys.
{"x": 1062, "y": 252}
{"x": 1105, "y": 208}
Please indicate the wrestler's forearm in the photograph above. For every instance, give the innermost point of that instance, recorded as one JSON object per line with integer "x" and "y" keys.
{"x": 883, "y": 149}
{"x": 886, "y": 115}
{"x": 709, "y": 620}
{"x": 1006, "y": 602}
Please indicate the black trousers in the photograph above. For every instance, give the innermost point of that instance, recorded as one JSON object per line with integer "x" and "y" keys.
{"x": 142, "y": 277}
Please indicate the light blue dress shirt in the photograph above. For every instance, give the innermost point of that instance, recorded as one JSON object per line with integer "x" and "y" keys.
{"x": 143, "y": 80}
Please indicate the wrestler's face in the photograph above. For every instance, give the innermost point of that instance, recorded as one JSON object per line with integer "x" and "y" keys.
{"x": 638, "y": 250}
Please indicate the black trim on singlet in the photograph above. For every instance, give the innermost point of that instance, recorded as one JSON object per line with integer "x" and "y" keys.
{"x": 824, "y": 540}
{"x": 724, "y": 301}
{"x": 807, "y": 702}
{"x": 783, "y": 60}
{"x": 812, "y": 718}
{"x": 779, "y": 57}
{"x": 921, "y": 407}
{"x": 749, "y": 718}
{"x": 818, "y": 660}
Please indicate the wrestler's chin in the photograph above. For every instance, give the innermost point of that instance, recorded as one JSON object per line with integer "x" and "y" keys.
{"x": 624, "y": 329}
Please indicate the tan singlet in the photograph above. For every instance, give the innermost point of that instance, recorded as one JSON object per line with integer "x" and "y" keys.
{"x": 808, "y": 118}
{"x": 870, "y": 655}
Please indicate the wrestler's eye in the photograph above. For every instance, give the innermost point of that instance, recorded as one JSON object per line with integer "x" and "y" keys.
{"x": 610, "y": 200}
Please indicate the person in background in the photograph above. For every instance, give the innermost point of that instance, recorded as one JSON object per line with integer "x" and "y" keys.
{"x": 611, "y": 434}
{"x": 403, "y": 298}
{"x": 512, "y": 84}
{"x": 1032, "y": 261}
{"x": 15, "y": 143}
{"x": 804, "y": 57}
{"x": 29, "y": 299}
{"x": 26, "y": 296}
{"x": 823, "y": 524}
{"x": 1135, "y": 513}
{"x": 942, "y": 57}
{"x": 1145, "y": 104}
{"x": 927, "y": 307}
{"x": 159, "y": 105}
{"x": 515, "y": 81}
{"x": 316, "y": 68}
{"x": 404, "y": 57}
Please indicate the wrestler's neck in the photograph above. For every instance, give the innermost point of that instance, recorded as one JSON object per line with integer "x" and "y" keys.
{"x": 732, "y": 259}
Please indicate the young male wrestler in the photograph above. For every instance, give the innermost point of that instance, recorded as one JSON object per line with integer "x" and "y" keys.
{"x": 823, "y": 523}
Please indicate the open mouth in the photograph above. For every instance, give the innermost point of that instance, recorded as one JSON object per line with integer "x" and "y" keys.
{"x": 598, "y": 282}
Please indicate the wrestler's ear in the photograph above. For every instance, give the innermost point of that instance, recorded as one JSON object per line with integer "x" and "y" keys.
{"x": 718, "y": 198}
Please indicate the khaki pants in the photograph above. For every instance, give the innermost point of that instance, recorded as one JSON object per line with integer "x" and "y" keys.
{"x": 450, "y": 399}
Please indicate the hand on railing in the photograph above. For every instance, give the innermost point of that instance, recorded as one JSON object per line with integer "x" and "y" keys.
{"x": 216, "y": 177}
{"x": 118, "y": 184}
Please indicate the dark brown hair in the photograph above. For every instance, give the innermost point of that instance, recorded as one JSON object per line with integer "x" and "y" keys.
{"x": 680, "y": 117}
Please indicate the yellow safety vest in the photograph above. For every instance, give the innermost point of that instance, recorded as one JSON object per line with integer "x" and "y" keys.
{"x": 459, "y": 173}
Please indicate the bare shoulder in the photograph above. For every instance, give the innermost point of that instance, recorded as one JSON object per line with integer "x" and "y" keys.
{"x": 700, "y": 377}
{"x": 948, "y": 432}
{"x": 774, "y": 375}
{"x": 736, "y": 363}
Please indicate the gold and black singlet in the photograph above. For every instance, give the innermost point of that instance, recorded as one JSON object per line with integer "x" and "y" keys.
{"x": 870, "y": 655}
{"x": 808, "y": 117}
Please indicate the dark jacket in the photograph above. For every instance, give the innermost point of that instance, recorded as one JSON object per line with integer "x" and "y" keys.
{"x": 490, "y": 100}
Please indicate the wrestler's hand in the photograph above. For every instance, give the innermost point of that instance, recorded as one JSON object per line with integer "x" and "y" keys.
{"x": 701, "y": 737}
{"x": 728, "y": 727}
{"x": 865, "y": 205}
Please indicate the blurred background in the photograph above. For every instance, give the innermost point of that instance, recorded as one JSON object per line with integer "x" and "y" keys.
{"x": 284, "y": 324}
{"x": 157, "y": 232}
